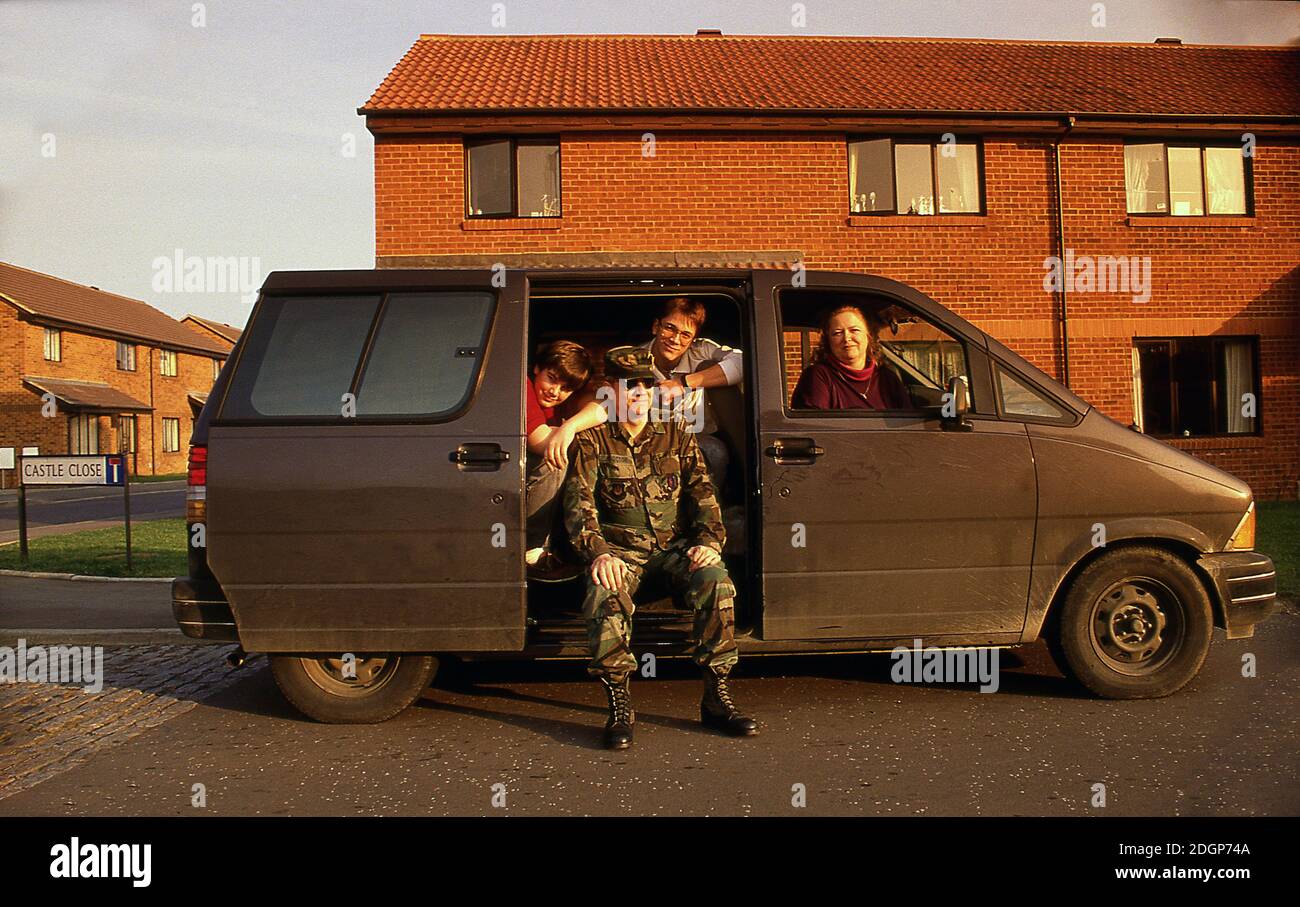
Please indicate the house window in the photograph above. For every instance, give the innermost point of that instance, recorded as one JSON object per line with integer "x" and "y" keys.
{"x": 512, "y": 178}
{"x": 167, "y": 363}
{"x": 888, "y": 176}
{"x": 1186, "y": 180}
{"x": 171, "y": 435}
{"x": 83, "y": 434}
{"x": 126, "y": 356}
{"x": 129, "y": 429}
{"x": 1197, "y": 386}
{"x": 53, "y": 345}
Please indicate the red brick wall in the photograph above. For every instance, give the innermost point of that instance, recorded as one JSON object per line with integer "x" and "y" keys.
{"x": 729, "y": 192}
{"x": 90, "y": 358}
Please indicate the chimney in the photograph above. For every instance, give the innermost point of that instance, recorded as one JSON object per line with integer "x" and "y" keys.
{"x": 1169, "y": 40}
{"x": 705, "y": 32}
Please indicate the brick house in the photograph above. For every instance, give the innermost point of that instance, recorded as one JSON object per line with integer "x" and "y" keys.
{"x": 227, "y": 335}
{"x": 118, "y": 372}
{"x": 834, "y": 152}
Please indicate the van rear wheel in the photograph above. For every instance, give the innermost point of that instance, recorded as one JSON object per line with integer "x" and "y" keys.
{"x": 1136, "y": 624}
{"x": 364, "y": 689}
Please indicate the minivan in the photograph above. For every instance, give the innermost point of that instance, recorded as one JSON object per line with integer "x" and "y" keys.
{"x": 356, "y": 490}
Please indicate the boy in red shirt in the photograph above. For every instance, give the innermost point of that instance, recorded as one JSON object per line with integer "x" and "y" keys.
{"x": 562, "y": 368}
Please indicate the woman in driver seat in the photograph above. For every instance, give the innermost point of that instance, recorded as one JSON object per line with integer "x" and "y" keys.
{"x": 847, "y": 372}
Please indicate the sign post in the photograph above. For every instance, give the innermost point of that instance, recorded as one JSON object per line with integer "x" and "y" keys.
{"x": 78, "y": 469}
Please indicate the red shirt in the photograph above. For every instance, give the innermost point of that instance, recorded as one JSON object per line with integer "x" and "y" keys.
{"x": 830, "y": 384}
{"x": 538, "y": 415}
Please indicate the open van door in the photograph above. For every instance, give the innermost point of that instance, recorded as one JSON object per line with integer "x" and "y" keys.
{"x": 880, "y": 524}
{"x": 365, "y": 466}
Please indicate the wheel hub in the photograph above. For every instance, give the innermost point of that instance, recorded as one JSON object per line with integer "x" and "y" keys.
{"x": 1131, "y": 624}
{"x": 357, "y": 676}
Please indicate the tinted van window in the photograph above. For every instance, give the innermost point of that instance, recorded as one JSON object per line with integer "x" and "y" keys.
{"x": 425, "y": 354}
{"x": 302, "y": 355}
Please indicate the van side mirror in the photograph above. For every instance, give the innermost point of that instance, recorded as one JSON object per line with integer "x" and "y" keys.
{"x": 956, "y": 404}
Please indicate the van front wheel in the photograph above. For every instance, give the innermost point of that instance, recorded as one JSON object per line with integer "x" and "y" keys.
{"x": 354, "y": 689}
{"x": 1136, "y": 624}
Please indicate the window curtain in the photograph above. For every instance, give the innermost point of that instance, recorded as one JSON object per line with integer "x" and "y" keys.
{"x": 1226, "y": 175}
{"x": 1137, "y": 389}
{"x": 1237, "y": 383}
{"x": 1140, "y": 165}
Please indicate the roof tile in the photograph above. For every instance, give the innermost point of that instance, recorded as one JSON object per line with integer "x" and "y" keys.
{"x": 689, "y": 73}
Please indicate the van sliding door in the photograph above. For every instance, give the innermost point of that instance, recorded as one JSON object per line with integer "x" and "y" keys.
{"x": 365, "y": 471}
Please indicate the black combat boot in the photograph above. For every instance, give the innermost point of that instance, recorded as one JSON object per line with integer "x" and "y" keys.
{"x": 716, "y": 708}
{"x": 618, "y": 729}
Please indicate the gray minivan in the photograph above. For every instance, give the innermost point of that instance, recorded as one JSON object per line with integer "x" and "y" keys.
{"x": 356, "y": 490}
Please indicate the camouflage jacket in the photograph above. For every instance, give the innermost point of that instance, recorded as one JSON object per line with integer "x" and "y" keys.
{"x": 626, "y": 496}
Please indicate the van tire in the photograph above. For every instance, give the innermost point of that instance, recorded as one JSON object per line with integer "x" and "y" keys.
{"x": 382, "y": 687}
{"x": 1135, "y": 624}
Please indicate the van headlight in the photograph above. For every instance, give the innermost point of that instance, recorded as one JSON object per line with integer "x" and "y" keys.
{"x": 1243, "y": 539}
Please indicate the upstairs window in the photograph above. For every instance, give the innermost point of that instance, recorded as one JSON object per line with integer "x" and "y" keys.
{"x": 53, "y": 345}
{"x": 167, "y": 363}
{"x": 125, "y": 356}
{"x": 1190, "y": 387}
{"x": 898, "y": 176}
{"x": 512, "y": 178}
{"x": 1187, "y": 180}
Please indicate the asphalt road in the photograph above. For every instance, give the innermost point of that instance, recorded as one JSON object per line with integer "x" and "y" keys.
{"x": 76, "y": 507}
{"x": 857, "y": 743}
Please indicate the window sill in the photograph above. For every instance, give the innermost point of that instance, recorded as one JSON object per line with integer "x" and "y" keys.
{"x": 502, "y": 224}
{"x": 1182, "y": 223}
{"x": 1244, "y": 442}
{"x": 917, "y": 220}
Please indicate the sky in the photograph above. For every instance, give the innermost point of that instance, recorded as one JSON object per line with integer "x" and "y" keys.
{"x": 132, "y": 130}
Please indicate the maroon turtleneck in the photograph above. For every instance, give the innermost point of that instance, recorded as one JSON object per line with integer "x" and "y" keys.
{"x": 830, "y": 384}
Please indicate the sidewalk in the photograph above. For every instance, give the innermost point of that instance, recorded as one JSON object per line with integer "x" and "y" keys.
{"x": 86, "y": 612}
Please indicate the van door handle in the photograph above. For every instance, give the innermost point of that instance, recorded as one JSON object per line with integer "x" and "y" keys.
{"x": 479, "y": 457}
{"x": 795, "y": 451}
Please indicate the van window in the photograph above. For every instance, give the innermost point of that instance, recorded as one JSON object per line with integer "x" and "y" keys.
{"x": 301, "y": 357}
{"x": 425, "y": 354}
{"x": 303, "y": 353}
{"x": 921, "y": 356}
{"x": 1019, "y": 399}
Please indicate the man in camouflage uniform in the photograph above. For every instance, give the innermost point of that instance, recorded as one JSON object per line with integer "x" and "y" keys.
{"x": 638, "y": 503}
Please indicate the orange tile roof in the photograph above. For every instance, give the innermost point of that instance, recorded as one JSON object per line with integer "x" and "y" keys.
{"x": 53, "y": 299}
{"x": 687, "y": 73}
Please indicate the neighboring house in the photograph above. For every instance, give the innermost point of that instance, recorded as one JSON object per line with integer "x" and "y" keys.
{"x": 225, "y": 334}
{"x": 85, "y": 371}
{"x": 930, "y": 161}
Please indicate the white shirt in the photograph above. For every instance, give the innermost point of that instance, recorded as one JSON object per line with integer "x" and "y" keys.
{"x": 698, "y": 356}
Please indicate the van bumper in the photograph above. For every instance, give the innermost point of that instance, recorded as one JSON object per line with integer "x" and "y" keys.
{"x": 1245, "y": 584}
{"x": 201, "y": 610}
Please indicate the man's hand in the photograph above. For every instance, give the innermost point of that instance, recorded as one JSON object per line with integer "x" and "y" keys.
{"x": 557, "y": 447}
{"x": 703, "y": 556}
{"x": 669, "y": 390}
{"x": 609, "y": 572}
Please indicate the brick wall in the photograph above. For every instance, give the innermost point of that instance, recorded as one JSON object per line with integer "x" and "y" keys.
{"x": 91, "y": 358}
{"x": 764, "y": 191}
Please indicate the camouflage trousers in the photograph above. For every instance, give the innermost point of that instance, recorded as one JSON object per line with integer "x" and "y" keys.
{"x": 708, "y": 591}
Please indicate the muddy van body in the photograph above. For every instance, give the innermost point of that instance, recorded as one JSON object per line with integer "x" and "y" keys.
{"x": 356, "y": 500}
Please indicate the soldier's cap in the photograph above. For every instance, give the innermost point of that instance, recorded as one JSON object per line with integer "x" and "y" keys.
{"x": 629, "y": 362}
